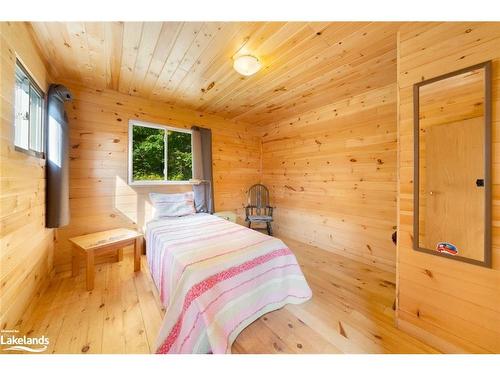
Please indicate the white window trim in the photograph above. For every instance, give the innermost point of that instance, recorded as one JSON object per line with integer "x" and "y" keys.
{"x": 131, "y": 181}
{"x": 33, "y": 76}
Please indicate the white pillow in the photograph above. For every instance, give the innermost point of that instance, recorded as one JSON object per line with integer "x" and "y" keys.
{"x": 172, "y": 205}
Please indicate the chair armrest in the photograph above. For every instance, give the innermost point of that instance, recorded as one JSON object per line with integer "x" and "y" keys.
{"x": 270, "y": 210}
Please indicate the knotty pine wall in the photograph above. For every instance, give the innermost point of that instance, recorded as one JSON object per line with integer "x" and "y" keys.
{"x": 26, "y": 245}
{"x": 454, "y": 306}
{"x": 100, "y": 197}
{"x": 332, "y": 173}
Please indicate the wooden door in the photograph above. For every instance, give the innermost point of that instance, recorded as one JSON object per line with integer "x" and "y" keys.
{"x": 454, "y": 162}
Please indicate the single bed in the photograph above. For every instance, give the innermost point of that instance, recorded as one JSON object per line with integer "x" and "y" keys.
{"x": 214, "y": 278}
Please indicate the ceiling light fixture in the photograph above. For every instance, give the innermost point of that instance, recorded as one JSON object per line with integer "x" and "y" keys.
{"x": 247, "y": 65}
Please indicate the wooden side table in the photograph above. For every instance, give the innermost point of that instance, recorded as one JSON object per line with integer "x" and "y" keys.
{"x": 90, "y": 245}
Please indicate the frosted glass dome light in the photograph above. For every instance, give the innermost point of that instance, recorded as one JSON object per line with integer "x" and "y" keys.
{"x": 247, "y": 65}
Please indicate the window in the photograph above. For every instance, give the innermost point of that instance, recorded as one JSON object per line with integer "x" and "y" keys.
{"x": 159, "y": 154}
{"x": 28, "y": 114}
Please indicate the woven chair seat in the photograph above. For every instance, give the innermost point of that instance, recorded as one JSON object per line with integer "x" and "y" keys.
{"x": 260, "y": 218}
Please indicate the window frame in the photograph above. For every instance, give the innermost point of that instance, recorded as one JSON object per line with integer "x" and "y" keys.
{"x": 33, "y": 85}
{"x": 152, "y": 125}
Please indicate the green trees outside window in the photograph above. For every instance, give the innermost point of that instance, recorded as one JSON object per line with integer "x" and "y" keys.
{"x": 151, "y": 146}
{"x": 179, "y": 156}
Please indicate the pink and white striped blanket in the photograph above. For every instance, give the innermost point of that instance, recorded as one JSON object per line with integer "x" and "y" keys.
{"x": 215, "y": 278}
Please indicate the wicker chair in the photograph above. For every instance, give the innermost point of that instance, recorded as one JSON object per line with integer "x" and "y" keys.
{"x": 258, "y": 209}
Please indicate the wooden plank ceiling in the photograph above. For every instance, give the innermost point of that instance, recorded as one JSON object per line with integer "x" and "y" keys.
{"x": 305, "y": 65}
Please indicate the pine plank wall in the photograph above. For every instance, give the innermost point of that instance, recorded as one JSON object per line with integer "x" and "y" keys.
{"x": 26, "y": 252}
{"x": 332, "y": 170}
{"x": 454, "y": 306}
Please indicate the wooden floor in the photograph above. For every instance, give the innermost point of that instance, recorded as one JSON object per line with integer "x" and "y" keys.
{"x": 351, "y": 312}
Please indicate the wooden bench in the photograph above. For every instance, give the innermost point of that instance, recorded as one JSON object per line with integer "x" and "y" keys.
{"x": 93, "y": 244}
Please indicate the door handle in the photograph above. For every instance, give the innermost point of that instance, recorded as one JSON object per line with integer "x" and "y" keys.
{"x": 480, "y": 182}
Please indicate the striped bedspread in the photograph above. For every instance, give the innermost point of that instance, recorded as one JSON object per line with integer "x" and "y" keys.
{"x": 215, "y": 278}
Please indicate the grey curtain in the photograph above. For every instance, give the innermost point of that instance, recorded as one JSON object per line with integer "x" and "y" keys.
{"x": 57, "y": 153}
{"x": 202, "y": 169}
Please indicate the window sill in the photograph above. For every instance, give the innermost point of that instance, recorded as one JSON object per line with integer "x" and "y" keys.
{"x": 36, "y": 154}
{"x": 158, "y": 183}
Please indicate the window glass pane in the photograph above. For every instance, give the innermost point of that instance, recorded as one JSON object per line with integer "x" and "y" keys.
{"x": 148, "y": 153}
{"x": 21, "y": 110}
{"x": 179, "y": 166}
{"x": 28, "y": 112}
{"x": 35, "y": 121}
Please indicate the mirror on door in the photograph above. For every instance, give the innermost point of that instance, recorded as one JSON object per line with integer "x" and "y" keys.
{"x": 452, "y": 194}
